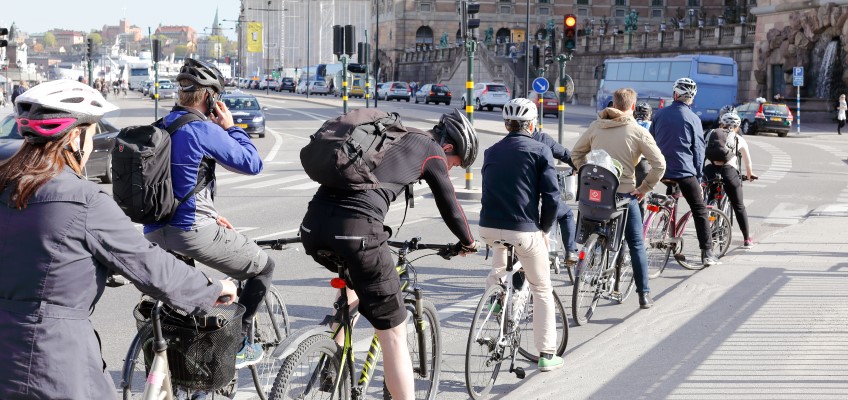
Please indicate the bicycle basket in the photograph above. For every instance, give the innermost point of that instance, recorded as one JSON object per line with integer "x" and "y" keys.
{"x": 201, "y": 354}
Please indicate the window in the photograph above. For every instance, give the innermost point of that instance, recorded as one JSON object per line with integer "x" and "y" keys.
{"x": 620, "y": 2}
{"x": 652, "y": 70}
{"x": 656, "y": 13}
{"x": 679, "y": 70}
{"x": 620, "y": 12}
{"x": 425, "y": 7}
{"x": 612, "y": 71}
{"x": 544, "y": 11}
{"x": 694, "y": 3}
{"x": 662, "y": 76}
{"x": 582, "y": 12}
{"x": 637, "y": 71}
{"x": 657, "y": 3}
{"x": 715, "y": 69}
{"x": 544, "y": 1}
{"x": 582, "y": 2}
{"x": 505, "y": 9}
{"x": 424, "y": 35}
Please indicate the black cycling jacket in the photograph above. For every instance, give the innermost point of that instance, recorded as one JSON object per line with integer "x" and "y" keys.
{"x": 414, "y": 157}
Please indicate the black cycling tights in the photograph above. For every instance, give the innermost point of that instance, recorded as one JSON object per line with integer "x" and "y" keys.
{"x": 733, "y": 188}
{"x": 690, "y": 187}
{"x": 254, "y": 293}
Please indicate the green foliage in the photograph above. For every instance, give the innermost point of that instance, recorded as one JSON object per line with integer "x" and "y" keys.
{"x": 49, "y": 39}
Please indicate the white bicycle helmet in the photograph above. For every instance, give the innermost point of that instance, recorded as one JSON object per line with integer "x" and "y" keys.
{"x": 727, "y": 109}
{"x": 730, "y": 120}
{"x": 50, "y": 110}
{"x": 520, "y": 109}
{"x": 685, "y": 87}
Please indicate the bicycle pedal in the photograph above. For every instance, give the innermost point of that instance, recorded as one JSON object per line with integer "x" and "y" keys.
{"x": 680, "y": 257}
{"x": 519, "y": 372}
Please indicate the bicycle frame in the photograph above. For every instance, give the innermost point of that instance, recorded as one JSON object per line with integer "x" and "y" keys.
{"x": 609, "y": 257}
{"x": 159, "y": 378}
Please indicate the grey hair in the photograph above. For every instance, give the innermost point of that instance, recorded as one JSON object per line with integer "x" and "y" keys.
{"x": 514, "y": 125}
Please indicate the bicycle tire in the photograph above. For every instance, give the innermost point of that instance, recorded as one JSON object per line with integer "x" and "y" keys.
{"x": 316, "y": 360}
{"x": 426, "y": 386}
{"x": 627, "y": 279}
{"x": 272, "y": 327}
{"x": 657, "y": 248}
{"x": 721, "y": 231}
{"x": 133, "y": 389}
{"x": 483, "y": 357}
{"x": 586, "y": 294}
{"x": 525, "y": 324}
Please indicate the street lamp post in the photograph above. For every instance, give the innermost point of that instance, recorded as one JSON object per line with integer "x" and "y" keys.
{"x": 527, "y": 48}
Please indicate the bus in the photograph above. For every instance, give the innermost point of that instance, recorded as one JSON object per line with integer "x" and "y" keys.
{"x": 653, "y": 78}
{"x": 139, "y": 72}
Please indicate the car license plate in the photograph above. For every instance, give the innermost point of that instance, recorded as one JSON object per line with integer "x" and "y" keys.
{"x": 242, "y": 126}
{"x": 778, "y": 119}
{"x": 552, "y": 103}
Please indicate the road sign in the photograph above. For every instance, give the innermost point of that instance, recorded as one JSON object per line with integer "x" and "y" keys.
{"x": 798, "y": 76}
{"x": 541, "y": 85}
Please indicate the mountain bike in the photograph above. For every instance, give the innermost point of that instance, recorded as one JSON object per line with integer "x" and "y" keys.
{"x": 269, "y": 327}
{"x": 316, "y": 367}
{"x": 500, "y": 329}
{"x": 665, "y": 233}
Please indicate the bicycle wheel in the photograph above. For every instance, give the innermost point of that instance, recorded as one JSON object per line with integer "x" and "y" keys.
{"x": 310, "y": 372}
{"x": 721, "y": 231}
{"x": 556, "y": 255}
{"x": 483, "y": 356}
{"x": 657, "y": 247}
{"x": 271, "y": 326}
{"x": 586, "y": 292}
{"x": 426, "y": 385}
{"x": 626, "y": 281}
{"x": 135, "y": 369}
{"x": 527, "y": 343}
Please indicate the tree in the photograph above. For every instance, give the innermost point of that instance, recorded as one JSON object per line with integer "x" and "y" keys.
{"x": 180, "y": 50}
{"x": 96, "y": 38}
{"x": 49, "y": 40}
{"x": 38, "y": 48}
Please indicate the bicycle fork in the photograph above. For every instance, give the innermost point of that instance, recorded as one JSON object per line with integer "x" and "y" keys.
{"x": 419, "y": 329}
{"x": 159, "y": 378}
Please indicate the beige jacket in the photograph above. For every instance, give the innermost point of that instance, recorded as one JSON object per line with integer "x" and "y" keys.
{"x": 617, "y": 133}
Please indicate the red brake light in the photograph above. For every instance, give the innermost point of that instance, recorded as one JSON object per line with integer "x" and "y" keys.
{"x": 432, "y": 94}
{"x": 653, "y": 208}
{"x": 790, "y": 118}
{"x": 582, "y": 255}
{"x": 719, "y": 196}
{"x": 662, "y": 103}
{"x": 337, "y": 283}
{"x": 759, "y": 114}
{"x": 485, "y": 90}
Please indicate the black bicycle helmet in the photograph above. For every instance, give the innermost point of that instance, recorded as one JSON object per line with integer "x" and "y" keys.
{"x": 458, "y": 129}
{"x": 643, "y": 111}
{"x": 202, "y": 74}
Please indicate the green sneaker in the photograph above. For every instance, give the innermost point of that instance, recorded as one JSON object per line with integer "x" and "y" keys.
{"x": 549, "y": 362}
{"x": 495, "y": 308}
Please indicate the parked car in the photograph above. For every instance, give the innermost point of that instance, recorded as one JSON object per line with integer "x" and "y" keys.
{"x": 397, "y": 91}
{"x": 488, "y": 95}
{"x": 381, "y": 90}
{"x": 269, "y": 83}
{"x": 434, "y": 93}
{"x": 550, "y": 104}
{"x": 99, "y": 162}
{"x": 763, "y": 116}
{"x": 167, "y": 90}
{"x": 301, "y": 87}
{"x": 247, "y": 114}
{"x": 144, "y": 85}
{"x": 287, "y": 84}
{"x": 319, "y": 87}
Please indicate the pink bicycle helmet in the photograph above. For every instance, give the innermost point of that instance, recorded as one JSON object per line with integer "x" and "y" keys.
{"x": 50, "y": 110}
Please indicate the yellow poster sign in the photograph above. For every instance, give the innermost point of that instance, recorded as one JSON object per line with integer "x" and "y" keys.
{"x": 254, "y": 37}
{"x": 518, "y": 35}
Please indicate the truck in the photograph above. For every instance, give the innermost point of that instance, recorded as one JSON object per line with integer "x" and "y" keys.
{"x": 138, "y": 73}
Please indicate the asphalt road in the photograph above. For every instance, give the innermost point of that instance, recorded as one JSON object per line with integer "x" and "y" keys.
{"x": 797, "y": 175}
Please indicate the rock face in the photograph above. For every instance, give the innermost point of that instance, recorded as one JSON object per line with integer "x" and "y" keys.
{"x": 792, "y": 45}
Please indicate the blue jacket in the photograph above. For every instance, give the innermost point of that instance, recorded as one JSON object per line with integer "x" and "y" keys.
{"x": 680, "y": 137}
{"x": 518, "y": 174}
{"x": 56, "y": 254}
{"x": 558, "y": 151}
{"x": 189, "y": 146}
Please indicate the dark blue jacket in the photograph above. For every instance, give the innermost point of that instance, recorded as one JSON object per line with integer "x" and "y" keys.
{"x": 518, "y": 174}
{"x": 680, "y": 137}
{"x": 558, "y": 150}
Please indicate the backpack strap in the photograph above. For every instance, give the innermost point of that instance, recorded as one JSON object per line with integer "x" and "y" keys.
{"x": 173, "y": 127}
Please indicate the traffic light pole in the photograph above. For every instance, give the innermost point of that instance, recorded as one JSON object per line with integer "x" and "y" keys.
{"x": 470, "y": 46}
{"x": 541, "y": 72}
{"x": 343, "y": 59}
{"x": 367, "y": 58}
{"x": 562, "y": 59}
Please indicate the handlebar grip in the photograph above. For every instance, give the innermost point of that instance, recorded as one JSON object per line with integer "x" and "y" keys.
{"x": 225, "y": 298}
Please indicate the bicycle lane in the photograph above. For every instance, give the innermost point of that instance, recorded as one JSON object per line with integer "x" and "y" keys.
{"x": 768, "y": 323}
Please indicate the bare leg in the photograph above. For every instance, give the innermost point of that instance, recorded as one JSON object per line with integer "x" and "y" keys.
{"x": 397, "y": 366}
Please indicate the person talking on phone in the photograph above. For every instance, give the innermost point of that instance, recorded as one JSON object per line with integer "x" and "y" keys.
{"x": 196, "y": 229}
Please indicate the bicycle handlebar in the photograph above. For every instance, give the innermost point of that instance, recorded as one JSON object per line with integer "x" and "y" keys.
{"x": 278, "y": 244}
{"x": 446, "y": 251}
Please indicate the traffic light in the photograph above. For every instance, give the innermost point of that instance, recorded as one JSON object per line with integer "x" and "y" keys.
{"x": 468, "y": 20}
{"x": 569, "y": 40}
{"x": 552, "y": 39}
{"x": 155, "y": 49}
{"x": 363, "y": 51}
{"x": 89, "y": 48}
{"x": 349, "y": 39}
{"x": 3, "y": 32}
{"x": 338, "y": 40}
{"x": 536, "y": 56}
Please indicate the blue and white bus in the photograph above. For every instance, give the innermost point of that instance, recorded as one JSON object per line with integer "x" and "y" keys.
{"x": 652, "y": 78}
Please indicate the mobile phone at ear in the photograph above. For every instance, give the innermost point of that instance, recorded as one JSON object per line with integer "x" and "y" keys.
{"x": 211, "y": 102}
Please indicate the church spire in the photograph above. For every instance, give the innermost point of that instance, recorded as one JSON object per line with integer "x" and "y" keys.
{"x": 216, "y": 26}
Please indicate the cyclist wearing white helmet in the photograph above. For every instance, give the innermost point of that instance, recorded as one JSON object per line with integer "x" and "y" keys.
{"x": 616, "y": 132}
{"x": 68, "y": 235}
{"x": 518, "y": 175}
{"x": 680, "y": 136}
{"x": 729, "y": 170}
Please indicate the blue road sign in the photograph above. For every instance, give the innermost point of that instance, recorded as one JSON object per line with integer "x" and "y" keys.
{"x": 798, "y": 72}
{"x": 541, "y": 85}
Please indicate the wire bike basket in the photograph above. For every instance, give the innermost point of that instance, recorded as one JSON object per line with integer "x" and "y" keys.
{"x": 201, "y": 350}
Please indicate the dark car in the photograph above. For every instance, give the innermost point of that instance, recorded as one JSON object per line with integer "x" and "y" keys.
{"x": 550, "y": 104}
{"x": 99, "y": 163}
{"x": 247, "y": 114}
{"x": 434, "y": 93}
{"x": 287, "y": 84}
{"x": 764, "y": 116}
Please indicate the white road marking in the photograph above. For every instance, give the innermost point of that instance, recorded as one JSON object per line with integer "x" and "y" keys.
{"x": 278, "y": 142}
{"x": 273, "y": 182}
{"x": 304, "y": 186}
{"x": 786, "y": 214}
{"x": 239, "y": 178}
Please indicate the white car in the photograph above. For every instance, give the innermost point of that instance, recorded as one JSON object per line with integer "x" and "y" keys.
{"x": 488, "y": 95}
{"x": 319, "y": 87}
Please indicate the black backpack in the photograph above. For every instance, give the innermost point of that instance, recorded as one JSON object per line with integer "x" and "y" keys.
{"x": 343, "y": 153}
{"x": 717, "y": 147}
{"x": 141, "y": 170}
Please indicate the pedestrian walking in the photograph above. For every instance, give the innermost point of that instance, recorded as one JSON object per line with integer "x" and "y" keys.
{"x": 19, "y": 90}
{"x": 840, "y": 113}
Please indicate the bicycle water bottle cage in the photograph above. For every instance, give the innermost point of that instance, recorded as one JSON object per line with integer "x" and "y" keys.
{"x": 597, "y": 194}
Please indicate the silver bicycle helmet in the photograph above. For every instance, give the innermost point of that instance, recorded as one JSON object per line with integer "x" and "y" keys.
{"x": 49, "y": 111}
{"x": 730, "y": 120}
{"x": 685, "y": 87}
{"x": 459, "y": 131}
{"x": 520, "y": 109}
{"x": 727, "y": 109}
{"x": 643, "y": 111}
{"x": 202, "y": 74}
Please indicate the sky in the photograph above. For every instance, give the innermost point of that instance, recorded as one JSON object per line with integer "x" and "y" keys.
{"x": 38, "y": 16}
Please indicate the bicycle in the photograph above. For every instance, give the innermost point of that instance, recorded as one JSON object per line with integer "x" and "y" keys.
{"x": 665, "y": 233}
{"x": 316, "y": 366}
{"x": 269, "y": 327}
{"x": 716, "y": 197}
{"x": 497, "y": 330}
{"x": 557, "y": 246}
